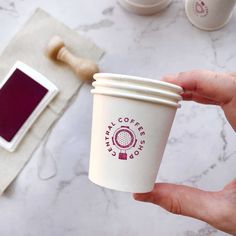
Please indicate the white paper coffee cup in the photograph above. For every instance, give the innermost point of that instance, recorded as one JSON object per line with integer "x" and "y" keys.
{"x": 209, "y": 14}
{"x": 144, "y": 7}
{"x": 132, "y": 118}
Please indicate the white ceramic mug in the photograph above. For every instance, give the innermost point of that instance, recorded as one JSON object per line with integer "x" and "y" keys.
{"x": 209, "y": 14}
{"x": 132, "y": 118}
{"x": 144, "y": 7}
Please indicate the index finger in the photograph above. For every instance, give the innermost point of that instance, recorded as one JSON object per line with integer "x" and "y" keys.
{"x": 219, "y": 87}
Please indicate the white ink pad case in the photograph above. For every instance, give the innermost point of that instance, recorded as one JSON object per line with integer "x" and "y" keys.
{"x": 24, "y": 94}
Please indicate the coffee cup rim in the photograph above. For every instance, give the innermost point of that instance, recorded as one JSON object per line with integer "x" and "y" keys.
{"x": 136, "y": 97}
{"x": 149, "y": 91}
{"x": 142, "y": 80}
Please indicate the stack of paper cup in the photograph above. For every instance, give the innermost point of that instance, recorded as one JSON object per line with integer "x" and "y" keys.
{"x": 209, "y": 14}
{"x": 144, "y": 7}
{"x": 132, "y": 118}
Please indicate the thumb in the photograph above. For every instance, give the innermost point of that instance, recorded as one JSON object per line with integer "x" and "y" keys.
{"x": 182, "y": 200}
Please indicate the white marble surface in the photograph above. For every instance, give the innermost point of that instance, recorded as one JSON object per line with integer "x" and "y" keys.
{"x": 201, "y": 150}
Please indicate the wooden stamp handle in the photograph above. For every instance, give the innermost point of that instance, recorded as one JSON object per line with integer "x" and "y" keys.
{"x": 84, "y": 68}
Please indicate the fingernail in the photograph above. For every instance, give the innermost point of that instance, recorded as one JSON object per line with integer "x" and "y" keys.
{"x": 169, "y": 77}
{"x": 141, "y": 197}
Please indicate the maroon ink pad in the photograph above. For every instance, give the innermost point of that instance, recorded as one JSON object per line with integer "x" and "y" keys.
{"x": 19, "y": 96}
{"x": 24, "y": 94}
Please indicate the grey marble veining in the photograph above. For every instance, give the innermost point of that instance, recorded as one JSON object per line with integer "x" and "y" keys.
{"x": 201, "y": 150}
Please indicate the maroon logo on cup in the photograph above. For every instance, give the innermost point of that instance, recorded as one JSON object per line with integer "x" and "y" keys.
{"x": 200, "y": 8}
{"x": 124, "y": 138}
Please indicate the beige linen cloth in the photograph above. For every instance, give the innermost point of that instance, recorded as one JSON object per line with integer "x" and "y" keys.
{"x": 28, "y": 46}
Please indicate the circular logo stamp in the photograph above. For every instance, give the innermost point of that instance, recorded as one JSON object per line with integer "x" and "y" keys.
{"x": 125, "y": 138}
{"x": 200, "y": 8}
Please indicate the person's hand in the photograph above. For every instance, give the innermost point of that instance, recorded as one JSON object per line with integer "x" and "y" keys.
{"x": 216, "y": 208}
{"x": 209, "y": 87}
